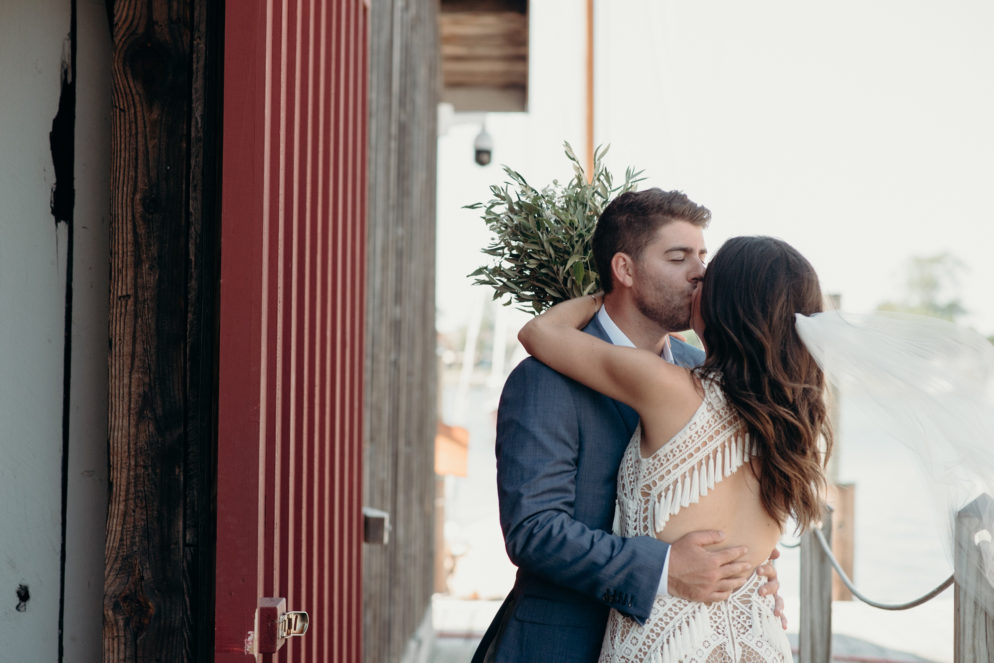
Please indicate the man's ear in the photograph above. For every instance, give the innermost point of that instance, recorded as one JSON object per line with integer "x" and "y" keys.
{"x": 623, "y": 269}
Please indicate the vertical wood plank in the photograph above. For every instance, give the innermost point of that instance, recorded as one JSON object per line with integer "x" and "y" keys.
{"x": 157, "y": 596}
{"x": 337, "y": 163}
{"x": 244, "y": 363}
{"x": 400, "y": 366}
{"x": 973, "y": 629}
{"x": 327, "y": 483}
{"x": 815, "y": 631}
{"x": 311, "y": 386}
{"x": 203, "y": 249}
{"x": 843, "y": 536}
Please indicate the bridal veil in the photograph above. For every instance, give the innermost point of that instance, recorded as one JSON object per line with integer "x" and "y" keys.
{"x": 929, "y": 384}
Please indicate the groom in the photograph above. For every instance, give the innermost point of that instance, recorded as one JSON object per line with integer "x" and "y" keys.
{"x": 559, "y": 445}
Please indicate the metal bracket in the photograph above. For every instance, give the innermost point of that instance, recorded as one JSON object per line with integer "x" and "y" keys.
{"x": 376, "y": 526}
{"x": 273, "y": 624}
{"x": 293, "y": 624}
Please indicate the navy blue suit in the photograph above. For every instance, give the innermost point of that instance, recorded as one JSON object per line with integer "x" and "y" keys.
{"x": 559, "y": 445}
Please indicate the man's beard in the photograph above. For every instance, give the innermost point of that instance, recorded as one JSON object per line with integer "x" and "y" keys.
{"x": 668, "y": 313}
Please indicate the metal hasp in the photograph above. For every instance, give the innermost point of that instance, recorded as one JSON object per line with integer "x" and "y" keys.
{"x": 274, "y": 624}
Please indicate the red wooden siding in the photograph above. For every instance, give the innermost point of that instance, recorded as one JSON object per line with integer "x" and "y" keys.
{"x": 292, "y": 308}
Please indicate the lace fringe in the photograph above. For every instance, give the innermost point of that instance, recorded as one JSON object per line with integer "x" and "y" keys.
{"x": 683, "y": 639}
{"x": 698, "y": 481}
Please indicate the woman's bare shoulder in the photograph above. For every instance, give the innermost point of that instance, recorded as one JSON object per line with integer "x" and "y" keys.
{"x": 669, "y": 410}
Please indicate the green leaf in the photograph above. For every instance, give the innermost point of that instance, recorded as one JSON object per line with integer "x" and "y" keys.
{"x": 541, "y": 244}
{"x": 578, "y": 271}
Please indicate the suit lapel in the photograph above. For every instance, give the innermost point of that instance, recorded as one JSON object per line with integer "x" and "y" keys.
{"x": 628, "y": 415}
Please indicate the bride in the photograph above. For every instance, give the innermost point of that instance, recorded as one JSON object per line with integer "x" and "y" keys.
{"x": 738, "y": 444}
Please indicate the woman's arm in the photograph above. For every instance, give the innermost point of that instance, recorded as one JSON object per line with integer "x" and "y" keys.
{"x": 636, "y": 377}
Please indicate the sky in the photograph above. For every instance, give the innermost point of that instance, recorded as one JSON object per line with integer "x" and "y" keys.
{"x": 860, "y": 132}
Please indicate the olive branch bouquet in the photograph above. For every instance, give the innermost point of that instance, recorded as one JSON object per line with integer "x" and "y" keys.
{"x": 541, "y": 245}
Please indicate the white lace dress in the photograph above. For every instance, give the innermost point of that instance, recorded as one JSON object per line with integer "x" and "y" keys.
{"x": 741, "y": 629}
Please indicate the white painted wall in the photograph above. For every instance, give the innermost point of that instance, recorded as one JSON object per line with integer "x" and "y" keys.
{"x": 33, "y": 250}
{"x": 32, "y": 299}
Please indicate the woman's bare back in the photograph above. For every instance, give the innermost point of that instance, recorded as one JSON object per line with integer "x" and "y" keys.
{"x": 700, "y": 476}
{"x": 733, "y": 507}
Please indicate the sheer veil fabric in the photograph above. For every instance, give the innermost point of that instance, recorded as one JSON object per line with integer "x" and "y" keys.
{"x": 929, "y": 384}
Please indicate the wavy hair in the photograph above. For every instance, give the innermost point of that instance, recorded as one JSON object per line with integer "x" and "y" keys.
{"x": 751, "y": 292}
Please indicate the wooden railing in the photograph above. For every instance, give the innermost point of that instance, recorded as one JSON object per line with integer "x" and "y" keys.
{"x": 973, "y": 574}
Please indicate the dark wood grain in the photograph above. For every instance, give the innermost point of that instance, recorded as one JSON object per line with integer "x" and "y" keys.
{"x": 162, "y": 329}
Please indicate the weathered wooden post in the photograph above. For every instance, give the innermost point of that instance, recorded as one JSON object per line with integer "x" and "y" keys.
{"x": 973, "y": 568}
{"x": 815, "y": 631}
{"x": 843, "y": 532}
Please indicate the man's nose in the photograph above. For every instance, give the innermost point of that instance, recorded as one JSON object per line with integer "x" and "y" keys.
{"x": 696, "y": 271}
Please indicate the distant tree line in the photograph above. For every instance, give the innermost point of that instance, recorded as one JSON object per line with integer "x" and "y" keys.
{"x": 931, "y": 287}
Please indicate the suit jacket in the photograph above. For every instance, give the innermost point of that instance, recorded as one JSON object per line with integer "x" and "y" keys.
{"x": 559, "y": 446}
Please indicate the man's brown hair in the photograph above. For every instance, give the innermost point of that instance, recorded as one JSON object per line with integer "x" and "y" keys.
{"x": 629, "y": 222}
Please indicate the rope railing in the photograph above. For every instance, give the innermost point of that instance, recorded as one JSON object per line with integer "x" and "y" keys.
{"x": 973, "y": 608}
{"x": 876, "y": 604}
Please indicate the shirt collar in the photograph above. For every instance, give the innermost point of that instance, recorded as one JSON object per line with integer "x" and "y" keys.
{"x": 618, "y": 337}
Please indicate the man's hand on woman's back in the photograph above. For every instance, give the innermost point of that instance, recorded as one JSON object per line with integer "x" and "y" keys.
{"x": 700, "y": 574}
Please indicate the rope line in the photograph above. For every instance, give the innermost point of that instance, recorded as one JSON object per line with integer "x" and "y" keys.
{"x": 883, "y": 606}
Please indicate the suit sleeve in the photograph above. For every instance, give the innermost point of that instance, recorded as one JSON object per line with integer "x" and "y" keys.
{"x": 537, "y": 446}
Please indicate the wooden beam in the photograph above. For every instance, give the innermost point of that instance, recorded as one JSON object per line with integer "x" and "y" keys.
{"x": 510, "y": 25}
{"x": 484, "y": 49}
{"x": 158, "y": 548}
{"x": 451, "y": 6}
{"x": 485, "y": 74}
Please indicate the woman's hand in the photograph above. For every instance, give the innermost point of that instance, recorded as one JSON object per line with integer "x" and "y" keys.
{"x": 772, "y": 586}
{"x": 576, "y": 312}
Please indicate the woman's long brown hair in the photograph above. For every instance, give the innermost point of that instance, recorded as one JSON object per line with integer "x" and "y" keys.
{"x": 751, "y": 292}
